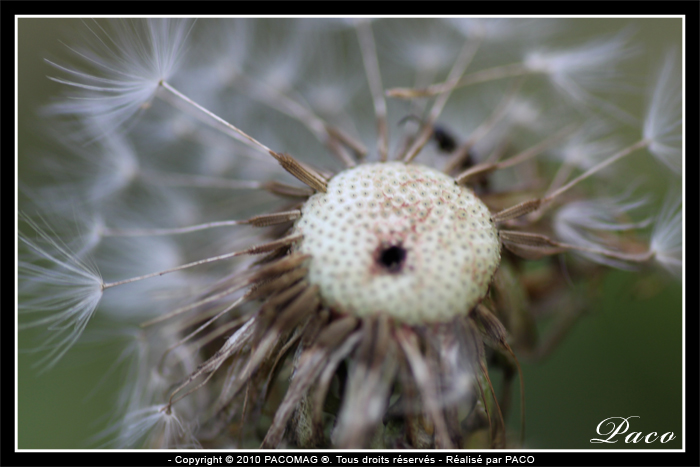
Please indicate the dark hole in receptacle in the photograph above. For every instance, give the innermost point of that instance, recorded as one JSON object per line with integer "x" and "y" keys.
{"x": 392, "y": 258}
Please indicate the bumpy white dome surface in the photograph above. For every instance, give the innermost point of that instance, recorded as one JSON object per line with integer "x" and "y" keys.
{"x": 399, "y": 239}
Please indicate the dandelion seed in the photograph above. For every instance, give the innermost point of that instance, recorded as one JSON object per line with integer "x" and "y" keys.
{"x": 130, "y": 63}
{"x": 71, "y": 289}
{"x": 584, "y": 223}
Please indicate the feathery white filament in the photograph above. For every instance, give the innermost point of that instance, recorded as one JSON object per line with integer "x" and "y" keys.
{"x": 122, "y": 68}
{"x": 70, "y": 290}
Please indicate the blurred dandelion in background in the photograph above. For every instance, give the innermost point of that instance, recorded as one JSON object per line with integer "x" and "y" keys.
{"x": 326, "y": 233}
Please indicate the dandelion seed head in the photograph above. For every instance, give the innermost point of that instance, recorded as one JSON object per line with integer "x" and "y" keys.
{"x": 126, "y": 255}
{"x": 402, "y": 240}
{"x": 156, "y": 426}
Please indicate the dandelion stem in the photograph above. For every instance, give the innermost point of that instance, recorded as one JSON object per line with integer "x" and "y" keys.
{"x": 630, "y": 149}
{"x": 540, "y": 203}
{"x": 291, "y": 165}
{"x": 374, "y": 78}
{"x": 490, "y": 74}
{"x": 173, "y": 231}
{"x": 199, "y": 181}
{"x": 246, "y": 138}
{"x": 192, "y": 306}
{"x": 517, "y": 159}
{"x": 220, "y": 331}
{"x": 546, "y": 245}
{"x": 198, "y": 330}
{"x": 499, "y": 112}
{"x": 262, "y": 220}
{"x": 461, "y": 64}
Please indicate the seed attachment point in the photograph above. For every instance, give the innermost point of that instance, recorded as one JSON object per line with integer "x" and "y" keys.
{"x": 392, "y": 258}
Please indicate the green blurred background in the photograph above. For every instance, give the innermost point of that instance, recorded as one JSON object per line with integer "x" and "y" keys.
{"x": 623, "y": 358}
